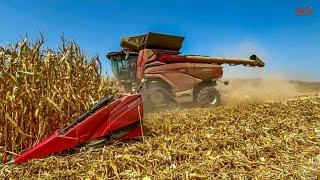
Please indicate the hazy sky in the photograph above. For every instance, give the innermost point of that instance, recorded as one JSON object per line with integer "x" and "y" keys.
{"x": 289, "y": 44}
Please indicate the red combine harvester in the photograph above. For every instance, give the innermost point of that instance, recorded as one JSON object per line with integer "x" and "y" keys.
{"x": 168, "y": 78}
{"x": 151, "y": 63}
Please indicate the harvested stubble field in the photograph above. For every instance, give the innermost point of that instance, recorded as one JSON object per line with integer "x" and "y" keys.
{"x": 265, "y": 128}
{"x": 267, "y": 140}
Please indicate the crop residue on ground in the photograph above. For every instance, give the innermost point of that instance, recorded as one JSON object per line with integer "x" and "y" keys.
{"x": 267, "y": 140}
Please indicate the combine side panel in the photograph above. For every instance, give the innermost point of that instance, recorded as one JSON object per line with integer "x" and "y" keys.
{"x": 184, "y": 76}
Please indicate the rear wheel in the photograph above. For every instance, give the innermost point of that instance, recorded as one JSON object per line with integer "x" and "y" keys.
{"x": 208, "y": 96}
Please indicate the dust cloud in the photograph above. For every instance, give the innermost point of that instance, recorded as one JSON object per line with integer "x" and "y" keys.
{"x": 266, "y": 89}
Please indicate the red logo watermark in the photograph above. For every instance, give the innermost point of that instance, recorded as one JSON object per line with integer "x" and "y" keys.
{"x": 304, "y": 11}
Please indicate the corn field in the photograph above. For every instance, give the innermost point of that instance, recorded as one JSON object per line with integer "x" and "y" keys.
{"x": 264, "y": 130}
{"x": 42, "y": 90}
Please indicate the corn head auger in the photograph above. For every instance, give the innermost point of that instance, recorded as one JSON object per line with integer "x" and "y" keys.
{"x": 153, "y": 64}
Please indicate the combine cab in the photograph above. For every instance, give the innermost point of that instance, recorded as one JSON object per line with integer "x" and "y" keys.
{"x": 153, "y": 62}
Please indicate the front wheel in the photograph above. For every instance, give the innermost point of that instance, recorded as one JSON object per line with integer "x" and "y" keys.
{"x": 158, "y": 97}
{"x": 208, "y": 96}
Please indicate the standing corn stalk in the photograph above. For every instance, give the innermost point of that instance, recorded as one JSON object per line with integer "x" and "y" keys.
{"x": 42, "y": 90}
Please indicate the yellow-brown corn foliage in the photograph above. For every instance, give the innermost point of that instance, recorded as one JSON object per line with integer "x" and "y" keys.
{"x": 42, "y": 90}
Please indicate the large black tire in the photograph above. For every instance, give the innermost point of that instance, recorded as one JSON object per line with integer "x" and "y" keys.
{"x": 158, "y": 96}
{"x": 208, "y": 96}
{"x": 159, "y": 93}
{"x": 127, "y": 87}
